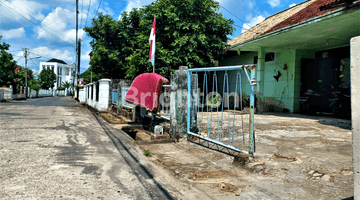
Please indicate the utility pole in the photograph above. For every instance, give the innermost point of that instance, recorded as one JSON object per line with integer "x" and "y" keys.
{"x": 77, "y": 46}
{"x": 26, "y": 87}
{"x": 78, "y": 69}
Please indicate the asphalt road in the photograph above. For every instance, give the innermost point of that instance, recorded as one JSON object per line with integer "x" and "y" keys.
{"x": 55, "y": 148}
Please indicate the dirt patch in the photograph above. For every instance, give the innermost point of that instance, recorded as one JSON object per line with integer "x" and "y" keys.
{"x": 112, "y": 119}
{"x": 226, "y": 187}
{"x": 283, "y": 158}
{"x": 202, "y": 175}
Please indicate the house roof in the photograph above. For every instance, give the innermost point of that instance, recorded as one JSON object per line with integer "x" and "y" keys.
{"x": 288, "y": 17}
{"x": 56, "y": 60}
{"x": 312, "y": 10}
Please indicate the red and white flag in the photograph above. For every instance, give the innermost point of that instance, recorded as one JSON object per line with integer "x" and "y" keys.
{"x": 152, "y": 45}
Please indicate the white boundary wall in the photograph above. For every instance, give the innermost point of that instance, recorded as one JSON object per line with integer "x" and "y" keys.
{"x": 355, "y": 110}
{"x": 102, "y": 104}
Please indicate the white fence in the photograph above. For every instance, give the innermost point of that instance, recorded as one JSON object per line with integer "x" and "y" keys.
{"x": 82, "y": 95}
{"x": 96, "y": 95}
{"x": 5, "y": 94}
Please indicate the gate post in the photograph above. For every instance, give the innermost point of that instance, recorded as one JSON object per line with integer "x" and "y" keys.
{"x": 179, "y": 103}
{"x": 355, "y": 110}
{"x": 252, "y": 108}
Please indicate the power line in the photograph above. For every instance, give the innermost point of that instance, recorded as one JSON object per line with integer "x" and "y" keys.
{"x": 82, "y": 8}
{"x": 35, "y": 64}
{"x": 31, "y": 16}
{"x": 87, "y": 15}
{"x": 50, "y": 42}
{"x": 27, "y": 19}
{"x": 98, "y": 9}
{"x": 234, "y": 15}
{"x": 239, "y": 19}
{"x": 94, "y": 16}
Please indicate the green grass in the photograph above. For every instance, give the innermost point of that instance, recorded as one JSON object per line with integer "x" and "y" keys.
{"x": 147, "y": 153}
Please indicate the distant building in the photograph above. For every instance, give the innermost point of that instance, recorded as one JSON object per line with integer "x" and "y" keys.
{"x": 63, "y": 71}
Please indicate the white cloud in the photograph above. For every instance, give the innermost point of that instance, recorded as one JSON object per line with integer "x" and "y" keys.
{"x": 135, "y": 4}
{"x": 252, "y": 22}
{"x": 57, "y": 26}
{"x": 70, "y": 35}
{"x": 292, "y": 5}
{"x": 13, "y": 33}
{"x": 86, "y": 56}
{"x": 273, "y": 3}
{"x": 107, "y": 9}
{"x": 13, "y": 8}
{"x": 251, "y": 4}
{"x": 53, "y": 53}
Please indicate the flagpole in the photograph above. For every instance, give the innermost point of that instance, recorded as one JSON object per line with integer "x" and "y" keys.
{"x": 154, "y": 52}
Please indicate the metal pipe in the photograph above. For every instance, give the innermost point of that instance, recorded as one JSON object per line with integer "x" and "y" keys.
{"x": 218, "y": 143}
{"x": 252, "y": 107}
{"x": 236, "y": 67}
{"x": 189, "y": 101}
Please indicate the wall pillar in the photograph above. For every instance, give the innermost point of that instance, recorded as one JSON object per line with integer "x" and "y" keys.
{"x": 104, "y": 94}
{"x": 90, "y": 92}
{"x": 355, "y": 110}
{"x": 260, "y": 79}
{"x": 179, "y": 103}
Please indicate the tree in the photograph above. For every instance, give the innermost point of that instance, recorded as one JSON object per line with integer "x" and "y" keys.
{"x": 65, "y": 85}
{"x": 47, "y": 78}
{"x": 7, "y": 66}
{"x": 20, "y": 75}
{"x": 34, "y": 84}
{"x": 88, "y": 77}
{"x": 188, "y": 32}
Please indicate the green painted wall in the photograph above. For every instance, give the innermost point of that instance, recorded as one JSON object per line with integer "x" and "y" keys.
{"x": 282, "y": 94}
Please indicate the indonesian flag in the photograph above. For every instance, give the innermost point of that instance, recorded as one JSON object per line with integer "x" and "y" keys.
{"x": 152, "y": 44}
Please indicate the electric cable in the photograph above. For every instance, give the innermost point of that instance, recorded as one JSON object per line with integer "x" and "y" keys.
{"x": 94, "y": 16}
{"x": 51, "y": 42}
{"x": 31, "y": 16}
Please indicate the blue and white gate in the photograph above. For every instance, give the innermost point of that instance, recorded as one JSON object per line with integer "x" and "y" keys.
{"x": 217, "y": 127}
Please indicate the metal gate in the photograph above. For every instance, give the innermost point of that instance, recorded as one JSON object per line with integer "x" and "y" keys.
{"x": 215, "y": 106}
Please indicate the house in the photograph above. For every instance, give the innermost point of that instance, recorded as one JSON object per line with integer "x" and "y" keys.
{"x": 302, "y": 47}
{"x": 63, "y": 71}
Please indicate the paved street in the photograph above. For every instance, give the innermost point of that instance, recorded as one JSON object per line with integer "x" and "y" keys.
{"x": 55, "y": 148}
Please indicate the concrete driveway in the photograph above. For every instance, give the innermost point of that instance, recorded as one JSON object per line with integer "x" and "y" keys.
{"x": 55, "y": 148}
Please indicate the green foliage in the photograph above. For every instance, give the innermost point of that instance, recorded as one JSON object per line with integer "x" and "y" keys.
{"x": 47, "y": 78}
{"x": 213, "y": 100}
{"x": 147, "y": 153}
{"x": 87, "y": 76}
{"x": 8, "y": 76}
{"x": 65, "y": 85}
{"x": 188, "y": 32}
{"x": 34, "y": 84}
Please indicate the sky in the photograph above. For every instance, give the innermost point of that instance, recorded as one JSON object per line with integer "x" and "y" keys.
{"x": 48, "y": 27}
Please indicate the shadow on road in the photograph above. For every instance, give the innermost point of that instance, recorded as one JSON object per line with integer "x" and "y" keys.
{"x": 140, "y": 171}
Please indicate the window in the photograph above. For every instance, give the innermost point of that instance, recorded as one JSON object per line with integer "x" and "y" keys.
{"x": 268, "y": 57}
{"x": 52, "y": 68}
{"x": 47, "y": 66}
{"x": 44, "y": 66}
{"x": 88, "y": 90}
{"x": 67, "y": 71}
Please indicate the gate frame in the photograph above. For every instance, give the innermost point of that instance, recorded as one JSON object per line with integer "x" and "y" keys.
{"x": 252, "y": 105}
